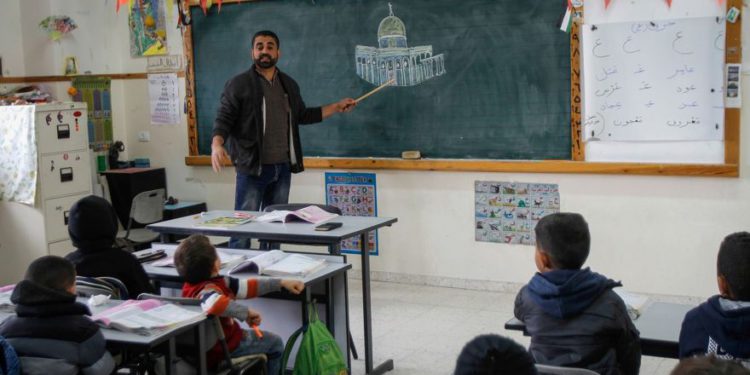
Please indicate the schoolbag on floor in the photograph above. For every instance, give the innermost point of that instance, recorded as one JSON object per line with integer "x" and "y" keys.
{"x": 318, "y": 353}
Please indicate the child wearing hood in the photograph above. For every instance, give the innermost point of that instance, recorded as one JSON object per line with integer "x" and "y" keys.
{"x": 721, "y": 325}
{"x": 92, "y": 226}
{"x": 571, "y": 313}
{"x": 50, "y": 331}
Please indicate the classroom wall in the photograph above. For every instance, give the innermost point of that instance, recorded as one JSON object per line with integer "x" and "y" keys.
{"x": 656, "y": 234}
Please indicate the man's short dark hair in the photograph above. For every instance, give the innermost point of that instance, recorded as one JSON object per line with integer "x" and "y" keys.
{"x": 709, "y": 365}
{"x": 52, "y": 272}
{"x": 734, "y": 264}
{"x": 564, "y": 236}
{"x": 195, "y": 258}
{"x": 267, "y": 33}
{"x": 494, "y": 355}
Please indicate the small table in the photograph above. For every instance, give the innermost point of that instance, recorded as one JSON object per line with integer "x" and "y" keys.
{"x": 129, "y": 341}
{"x": 300, "y": 233}
{"x": 659, "y": 325}
{"x": 182, "y": 209}
{"x": 329, "y": 281}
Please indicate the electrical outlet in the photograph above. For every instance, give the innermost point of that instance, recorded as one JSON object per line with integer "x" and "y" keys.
{"x": 144, "y": 136}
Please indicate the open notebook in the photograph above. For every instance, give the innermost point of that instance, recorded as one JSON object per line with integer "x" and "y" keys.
{"x": 279, "y": 263}
{"x": 310, "y": 214}
{"x": 146, "y": 317}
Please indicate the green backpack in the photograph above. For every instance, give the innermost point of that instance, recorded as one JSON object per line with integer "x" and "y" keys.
{"x": 318, "y": 353}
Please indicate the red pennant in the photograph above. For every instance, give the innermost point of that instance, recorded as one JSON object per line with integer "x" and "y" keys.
{"x": 203, "y": 6}
{"x": 118, "y": 3}
{"x": 218, "y": 2}
{"x": 606, "y": 4}
{"x": 721, "y": 2}
{"x": 669, "y": 3}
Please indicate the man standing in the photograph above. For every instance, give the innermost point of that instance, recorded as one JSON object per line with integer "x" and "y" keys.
{"x": 258, "y": 120}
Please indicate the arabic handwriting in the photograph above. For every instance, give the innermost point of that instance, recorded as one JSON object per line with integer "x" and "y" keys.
{"x": 675, "y": 46}
{"x": 606, "y": 73}
{"x": 681, "y": 124}
{"x": 684, "y": 70}
{"x": 598, "y": 44}
{"x": 628, "y": 122}
{"x": 608, "y": 91}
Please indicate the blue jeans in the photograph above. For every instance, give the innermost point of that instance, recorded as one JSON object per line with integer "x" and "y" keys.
{"x": 271, "y": 345}
{"x": 254, "y": 193}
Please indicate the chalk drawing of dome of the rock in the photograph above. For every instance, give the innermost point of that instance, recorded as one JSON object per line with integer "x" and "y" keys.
{"x": 392, "y": 59}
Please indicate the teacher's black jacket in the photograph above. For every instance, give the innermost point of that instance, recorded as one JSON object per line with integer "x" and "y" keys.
{"x": 239, "y": 120}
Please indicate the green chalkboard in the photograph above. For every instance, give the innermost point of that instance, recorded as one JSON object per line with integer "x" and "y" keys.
{"x": 495, "y": 84}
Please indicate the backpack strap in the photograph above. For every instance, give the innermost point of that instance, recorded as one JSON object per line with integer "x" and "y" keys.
{"x": 288, "y": 348}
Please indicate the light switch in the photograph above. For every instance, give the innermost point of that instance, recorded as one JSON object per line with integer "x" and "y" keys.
{"x": 144, "y": 136}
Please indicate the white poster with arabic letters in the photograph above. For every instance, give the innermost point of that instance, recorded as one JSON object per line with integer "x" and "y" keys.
{"x": 654, "y": 80}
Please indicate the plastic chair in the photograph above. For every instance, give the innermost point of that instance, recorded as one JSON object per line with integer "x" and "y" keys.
{"x": 559, "y": 370}
{"x": 254, "y": 364}
{"x": 110, "y": 286}
{"x": 147, "y": 208}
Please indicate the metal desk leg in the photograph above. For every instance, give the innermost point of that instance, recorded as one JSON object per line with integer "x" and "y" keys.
{"x": 365, "y": 256}
{"x": 170, "y": 357}
{"x": 200, "y": 338}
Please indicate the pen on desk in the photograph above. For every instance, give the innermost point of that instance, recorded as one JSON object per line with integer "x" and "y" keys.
{"x": 257, "y": 331}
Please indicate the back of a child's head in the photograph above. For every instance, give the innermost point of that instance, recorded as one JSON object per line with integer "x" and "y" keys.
{"x": 733, "y": 263}
{"x": 709, "y": 365}
{"x": 92, "y": 223}
{"x": 565, "y": 237}
{"x": 195, "y": 258}
{"x": 52, "y": 272}
{"x": 494, "y": 355}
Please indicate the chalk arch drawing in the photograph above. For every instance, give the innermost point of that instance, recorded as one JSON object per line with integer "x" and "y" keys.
{"x": 393, "y": 59}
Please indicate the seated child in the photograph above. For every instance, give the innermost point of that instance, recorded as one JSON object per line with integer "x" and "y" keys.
{"x": 721, "y": 325}
{"x": 494, "y": 355}
{"x": 198, "y": 263}
{"x": 92, "y": 225}
{"x": 572, "y": 315}
{"x": 709, "y": 365}
{"x": 50, "y": 331}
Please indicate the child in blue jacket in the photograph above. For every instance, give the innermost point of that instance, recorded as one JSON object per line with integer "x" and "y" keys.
{"x": 721, "y": 325}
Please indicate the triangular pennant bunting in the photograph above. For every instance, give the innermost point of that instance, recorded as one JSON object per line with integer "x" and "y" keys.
{"x": 669, "y": 3}
{"x": 606, "y": 3}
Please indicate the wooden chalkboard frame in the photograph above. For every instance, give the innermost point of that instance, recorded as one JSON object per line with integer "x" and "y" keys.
{"x": 577, "y": 164}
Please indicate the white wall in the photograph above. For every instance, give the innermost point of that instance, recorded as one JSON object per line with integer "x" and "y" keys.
{"x": 656, "y": 234}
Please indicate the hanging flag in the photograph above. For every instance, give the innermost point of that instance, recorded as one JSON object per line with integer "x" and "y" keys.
{"x": 721, "y": 2}
{"x": 219, "y": 3}
{"x": 120, "y": 2}
{"x": 669, "y": 3}
{"x": 606, "y": 4}
{"x": 567, "y": 20}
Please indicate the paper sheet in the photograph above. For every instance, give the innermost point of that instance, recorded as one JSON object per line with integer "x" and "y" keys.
{"x": 164, "y": 98}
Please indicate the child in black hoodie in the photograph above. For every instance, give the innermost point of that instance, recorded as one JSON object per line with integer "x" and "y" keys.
{"x": 92, "y": 225}
{"x": 572, "y": 315}
{"x": 51, "y": 332}
{"x": 721, "y": 325}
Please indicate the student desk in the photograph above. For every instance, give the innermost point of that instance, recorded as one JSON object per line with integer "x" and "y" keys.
{"x": 659, "y": 325}
{"x": 329, "y": 283}
{"x": 128, "y": 340}
{"x": 299, "y": 233}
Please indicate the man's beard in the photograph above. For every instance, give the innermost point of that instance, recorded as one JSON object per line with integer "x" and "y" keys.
{"x": 265, "y": 64}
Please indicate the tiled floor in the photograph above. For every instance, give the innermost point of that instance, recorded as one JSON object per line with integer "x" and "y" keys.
{"x": 423, "y": 328}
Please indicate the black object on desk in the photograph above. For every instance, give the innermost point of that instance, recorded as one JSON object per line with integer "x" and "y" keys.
{"x": 124, "y": 184}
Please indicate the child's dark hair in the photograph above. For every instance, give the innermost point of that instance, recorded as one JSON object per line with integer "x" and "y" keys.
{"x": 494, "y": 355}
{"x": 734, "y": 264}
{"x": 52, "y": 272}
{"x": 564, "y": 236}
{"x": 195, "y": 258}
{"x": 267, "y": 33}
{"x": 709, "y": 365}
